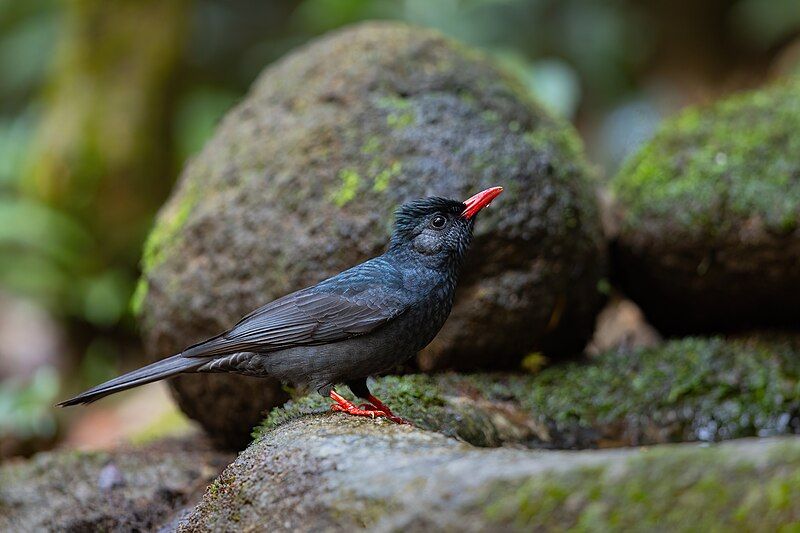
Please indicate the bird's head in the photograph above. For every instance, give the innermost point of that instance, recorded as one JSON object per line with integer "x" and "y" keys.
{"x": 437, "y": 231}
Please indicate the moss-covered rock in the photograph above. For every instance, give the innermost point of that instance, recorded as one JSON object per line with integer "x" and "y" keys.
{"x": 130, "y": 489}
{"x": 300, "y": 182}
{"x": 710, "y": 229}
{"x": 747, "y": 486}
{"x": 685, "y": 390}
{"x": 451, "y": 404}
{"x": 335, "y": 473}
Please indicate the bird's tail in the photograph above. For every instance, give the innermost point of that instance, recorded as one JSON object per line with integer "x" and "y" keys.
{"x": 148, "y": 374}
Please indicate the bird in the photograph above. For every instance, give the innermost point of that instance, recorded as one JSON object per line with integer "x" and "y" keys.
{"x": 359, "y": 323}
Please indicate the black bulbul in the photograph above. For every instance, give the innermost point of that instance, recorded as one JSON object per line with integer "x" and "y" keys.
{"x": 359, "y": 323}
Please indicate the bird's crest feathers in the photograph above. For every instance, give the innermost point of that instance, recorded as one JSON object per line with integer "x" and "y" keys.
{"x": 407, "y": 216}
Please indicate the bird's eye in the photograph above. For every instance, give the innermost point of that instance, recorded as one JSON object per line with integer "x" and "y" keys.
{"x": 438, "y": 222}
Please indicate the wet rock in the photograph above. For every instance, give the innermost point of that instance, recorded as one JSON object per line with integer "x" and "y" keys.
{"x": 682, "y": 390}
{"x": 300, "y": 182}
{"x": 709, "y": 237}
{"x": 130, "y": 489}
{"x": 332, "y": 473}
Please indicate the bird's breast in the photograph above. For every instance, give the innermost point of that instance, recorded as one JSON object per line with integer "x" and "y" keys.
{"x": 429, "y": 315}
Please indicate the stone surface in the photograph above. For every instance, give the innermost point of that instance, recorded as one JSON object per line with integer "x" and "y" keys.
{"x": 129, "y": 489}
{"x": 684, "y": 390}
{"x": 709, "y": 237}
{"x": 300, "y": 182}
{"x": 621, "y": 325}
{"x": 334, "y": 473}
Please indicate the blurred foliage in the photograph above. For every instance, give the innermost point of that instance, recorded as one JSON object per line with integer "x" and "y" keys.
{"x": 102, "y": 102}
{"x": 26, "y": 408}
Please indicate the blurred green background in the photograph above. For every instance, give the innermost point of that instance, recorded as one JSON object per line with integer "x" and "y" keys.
{"x": 102, "y": 102}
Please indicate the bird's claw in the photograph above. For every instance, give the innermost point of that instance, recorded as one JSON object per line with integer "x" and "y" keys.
{"x": 398, "y": 420}
{"x": 374, "y": 409}
{"x": 356, "y": 411}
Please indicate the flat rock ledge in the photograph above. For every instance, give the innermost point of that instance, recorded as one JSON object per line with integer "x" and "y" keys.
{"x": 330, "y": 472}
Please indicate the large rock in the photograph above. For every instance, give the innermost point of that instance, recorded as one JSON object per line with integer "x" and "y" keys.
{"x": 301, "y": 180}
{"x": 710, "y": 231}
{"x": 685, "y": 390}
{"x": 334, "y": 473}
{"x": 129, "y": 489}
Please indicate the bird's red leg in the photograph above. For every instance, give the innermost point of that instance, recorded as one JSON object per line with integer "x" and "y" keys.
{"x": 380, "y": 406}
{"x": 345, "y": 406}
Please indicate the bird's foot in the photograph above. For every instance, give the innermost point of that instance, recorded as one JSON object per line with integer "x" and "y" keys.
{"x": 342, "y": 405}
{"x": 356, "y": 411}
{"x": 374, "y": 409}
{"x": 387, "y": 413}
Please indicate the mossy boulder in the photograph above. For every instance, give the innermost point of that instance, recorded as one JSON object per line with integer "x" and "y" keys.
{"x": 128, "y": 489}
{"x": 301, "y": 180}
{"x": 337, "y": 473}
{"x": 750, "y": 485}
{"x": 685, "y": 390}
{"x": 709, "y": 237}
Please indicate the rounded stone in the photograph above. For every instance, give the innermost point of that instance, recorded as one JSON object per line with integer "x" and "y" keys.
{"x": 301, "y": 179}
{"x": 709, "y": 238}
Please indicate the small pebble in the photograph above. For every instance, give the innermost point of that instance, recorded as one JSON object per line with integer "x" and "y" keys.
{"x": 110, "y": 477}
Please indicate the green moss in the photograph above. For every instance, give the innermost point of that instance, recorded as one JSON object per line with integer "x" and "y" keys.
{"x": 295, "y": 408}
{"x": 371, "y": 146}
{"x": 384, "y": 177}
{"x": 694, "y": 489}
{"x": 415, "y": 396}
{"x": 491, "y": 116}
{"x": 137, "y": 299}
{"x": 393, "y": 102}
{"x": 707, "y": 389}
{"x": 710, "y": 168}
{"x": 689, "y": 389}
{"x": 167, "y": 229}
{"x": 400, "y": 114}
{"x": 351, "y": 181}
{"x": 400, "y": 120}
{"x": 161, "y": 239}
{"x": 561, "y": 140}
{"x": 213, "y": 489}
{"x": 423, "y": 400}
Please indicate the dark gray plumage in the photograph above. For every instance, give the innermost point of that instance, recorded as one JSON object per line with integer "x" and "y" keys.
{"x": 361, "y": 322}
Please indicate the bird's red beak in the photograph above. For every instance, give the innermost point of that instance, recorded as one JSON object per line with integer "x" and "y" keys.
{"x": 479, "y": 201}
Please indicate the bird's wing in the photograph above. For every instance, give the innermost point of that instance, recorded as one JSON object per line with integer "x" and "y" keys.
{"x": 350, "y": 304}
